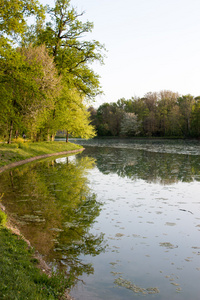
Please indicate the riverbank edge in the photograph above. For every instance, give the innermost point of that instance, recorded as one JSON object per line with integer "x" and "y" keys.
{"x": 10, "y": 224}
{"x": 25, "y": 161}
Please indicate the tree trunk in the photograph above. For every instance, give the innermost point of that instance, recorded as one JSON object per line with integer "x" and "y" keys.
{"x": 188, "y": 126}
{"x": 10, "y": 132}
{"x": 16, "y": 134}
{"x": 67, "y": 136}
{"x": 48, "y": 135}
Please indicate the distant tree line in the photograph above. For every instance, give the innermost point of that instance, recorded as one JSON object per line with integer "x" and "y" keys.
{"x": 162, "y": 114}
{"x": 45, "y": 72}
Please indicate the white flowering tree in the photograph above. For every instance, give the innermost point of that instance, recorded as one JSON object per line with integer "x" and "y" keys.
{"x": 129, "y": 125}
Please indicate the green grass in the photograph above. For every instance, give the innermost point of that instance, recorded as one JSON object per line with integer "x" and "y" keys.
{"x": 19, "y": 277}
{"x": 22, "y": 150}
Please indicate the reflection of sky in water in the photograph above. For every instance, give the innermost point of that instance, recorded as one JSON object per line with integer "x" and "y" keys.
{"x": 64, "y": 160}
{"x": 152, "y": 232}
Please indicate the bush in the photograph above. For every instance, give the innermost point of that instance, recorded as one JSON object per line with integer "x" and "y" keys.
{"x": 3, "y": 218}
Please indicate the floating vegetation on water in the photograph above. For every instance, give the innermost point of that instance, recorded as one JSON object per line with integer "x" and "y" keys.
{"x": 119, "y": 234}
{"x": 168, "y": 245}
{"x": 113, "y": 263}
{"x": 136, "y": 235}
{"x": 116, "y": 273}
{"x": 135, "y": 288}
{"x": 170, "y": 224}
{"x": 188, "y": 259}
{"x": 174, "y": 283}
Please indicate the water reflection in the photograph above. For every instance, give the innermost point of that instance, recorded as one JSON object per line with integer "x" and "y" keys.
{"x": 191, "y": 147}
{"x": 153, "y": 167}
{"x": 54, "y": 209}
{"x": 143, "y": 205}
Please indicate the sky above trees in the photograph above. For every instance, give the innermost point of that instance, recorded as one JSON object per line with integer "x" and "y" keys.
{"x": 152, "y": 45}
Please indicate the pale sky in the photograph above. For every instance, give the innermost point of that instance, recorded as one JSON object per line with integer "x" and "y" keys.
{"x": 152, "y": 45}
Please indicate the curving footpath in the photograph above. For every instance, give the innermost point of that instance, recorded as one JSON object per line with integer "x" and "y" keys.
{"x": 22, "y": 162}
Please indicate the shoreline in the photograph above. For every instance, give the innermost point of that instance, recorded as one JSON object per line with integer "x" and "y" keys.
{"x": 25, "y": 161}
{"x": 41, "y": 265}
{"x": 11, "y": 225}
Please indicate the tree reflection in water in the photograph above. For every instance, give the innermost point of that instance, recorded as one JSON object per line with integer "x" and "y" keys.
{"x": 56, "y": 210}
{"x": 153, "y": 167}
{"x": 52, "y": 205}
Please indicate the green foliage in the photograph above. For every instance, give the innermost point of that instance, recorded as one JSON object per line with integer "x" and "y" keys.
{"x": 108, "y": 119}
{"x": 3, "y": 218}
{"x": 63, "y": 36}
{"x": 67, "y": 211}
{"x": 185, "y": 104}
{"x": 14, "y": 13}
{"x": 33, "y": 98}
{"x": 195, "y": 118}
{"x": 70, "y": 114}
{"x": 30, "y": 84}
{"x": 163, "y": 114}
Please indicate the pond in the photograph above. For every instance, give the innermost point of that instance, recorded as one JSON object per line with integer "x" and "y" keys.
{"x": 122, "y": 218}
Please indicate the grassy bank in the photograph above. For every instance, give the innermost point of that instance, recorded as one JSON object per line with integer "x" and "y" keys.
{"x": 20, "y": 275}
{"x": 20, "y": 150}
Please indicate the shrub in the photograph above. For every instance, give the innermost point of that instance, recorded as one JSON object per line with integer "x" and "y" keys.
{"x": 3, "y": 218}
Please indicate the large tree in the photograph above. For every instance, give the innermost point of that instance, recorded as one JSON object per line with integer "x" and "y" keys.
{"x": 64, "y": 36}
{"x": 195, "y": 122}
{"x": 186, "y": 103}
{"x": 29, "y": 85}
{"x": 129, "y": 125}
{"x": 72, "y": 55}
{"x": 166, "y": 111}
{"x": 71, "y": 115}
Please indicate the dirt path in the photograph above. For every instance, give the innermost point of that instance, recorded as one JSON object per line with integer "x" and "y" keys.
{"x": 22, "y": 162}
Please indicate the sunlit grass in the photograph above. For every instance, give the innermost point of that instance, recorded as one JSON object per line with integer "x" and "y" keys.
{"x": 20, "y": 150}
{"x": 19, "y": 276}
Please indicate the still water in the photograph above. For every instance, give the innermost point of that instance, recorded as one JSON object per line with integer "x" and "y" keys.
{"x": 122, "y": 218}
